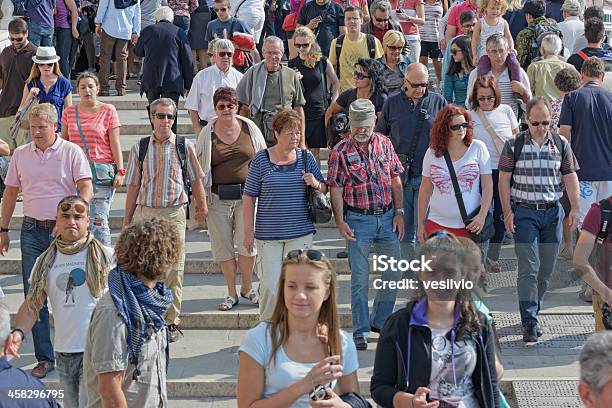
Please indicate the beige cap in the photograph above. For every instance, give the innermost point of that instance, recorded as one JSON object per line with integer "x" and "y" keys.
{"x": 361, "y": 113}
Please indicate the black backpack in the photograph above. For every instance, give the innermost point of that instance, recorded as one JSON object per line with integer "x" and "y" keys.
{"x": 519, "y": 143}
{"x": 371, "y": 49}
{"x": 539, "y": 32}
{"x": 606, "y": 221}
{"x": 180, "y": 151}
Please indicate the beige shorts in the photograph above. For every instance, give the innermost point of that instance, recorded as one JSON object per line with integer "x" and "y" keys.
{"x": 226, "y": 229}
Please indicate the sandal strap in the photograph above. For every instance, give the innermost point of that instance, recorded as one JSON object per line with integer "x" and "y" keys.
{"x": 228, "y": 303}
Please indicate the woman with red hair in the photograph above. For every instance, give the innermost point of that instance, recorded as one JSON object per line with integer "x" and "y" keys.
{"x": 451, "y": 135}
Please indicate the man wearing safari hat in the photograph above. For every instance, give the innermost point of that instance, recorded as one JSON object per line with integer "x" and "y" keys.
{"x": 364, "y": 175}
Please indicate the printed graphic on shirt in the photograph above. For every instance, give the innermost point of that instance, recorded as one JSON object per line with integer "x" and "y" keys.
{"x": 451, "y": 375}
{"x": 67, "y": 282}
{"x": 466, "y": 176}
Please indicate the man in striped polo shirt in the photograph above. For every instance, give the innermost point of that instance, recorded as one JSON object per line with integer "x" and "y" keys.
{"x": 538, "y": 172}
{"x": 157, "y": 190}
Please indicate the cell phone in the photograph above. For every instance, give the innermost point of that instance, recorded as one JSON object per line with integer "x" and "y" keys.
{"x": 318, "y": 393}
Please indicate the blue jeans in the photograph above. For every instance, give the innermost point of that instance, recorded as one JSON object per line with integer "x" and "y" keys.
{"x": 537, "y": 238}
{"x": 63, "y": 45}
{"x": 368, "y": 230}
{"x": 40, "y": 36}
{"x": 498, "y": 221}
{"x": 34, "y": 241}
{"x": 99, "y": 212}
{"x": 411, "y": 209}
{"x": 183, "y": 22}
{"x": 70, "y": 373}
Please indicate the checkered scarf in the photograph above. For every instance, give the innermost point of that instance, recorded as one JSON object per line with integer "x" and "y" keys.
{"x": 141, "y": 308}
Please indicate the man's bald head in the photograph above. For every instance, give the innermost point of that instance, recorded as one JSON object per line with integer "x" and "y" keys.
{"x": 416, "y": 80}
{"x": 417, "y": 67}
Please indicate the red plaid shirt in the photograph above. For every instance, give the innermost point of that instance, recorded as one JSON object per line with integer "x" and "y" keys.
{"x": 364, "y": 176}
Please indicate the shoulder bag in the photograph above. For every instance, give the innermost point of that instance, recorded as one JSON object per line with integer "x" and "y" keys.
{"x": 290, "y": 21}
{"x": 488, "y": 230}
{"x": 103, "y": 174}
{"x": 267, "y": 116}
{"x": 497, "y": 140}
{"x": 318, "y": 204}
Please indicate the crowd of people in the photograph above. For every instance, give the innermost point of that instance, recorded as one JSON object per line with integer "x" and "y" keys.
{"x": 508, "y": 142}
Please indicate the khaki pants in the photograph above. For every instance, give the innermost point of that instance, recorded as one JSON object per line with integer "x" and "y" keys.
{"x": 597, "y": 304}
{"x": 175, "y": 278}
{"x": 22, "y": 134}
{"x": 107, "y": 43}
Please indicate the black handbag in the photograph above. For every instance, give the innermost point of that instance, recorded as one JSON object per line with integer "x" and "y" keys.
{"x": 318, "y": 204}
{"x": 488, "y": 230}
{"x": 230, "y": 191}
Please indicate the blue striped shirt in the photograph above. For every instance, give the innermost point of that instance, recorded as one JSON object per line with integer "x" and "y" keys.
{"x": 281, "y": 196}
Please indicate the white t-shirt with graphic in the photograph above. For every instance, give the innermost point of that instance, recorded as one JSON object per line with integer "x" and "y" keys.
{"x": 452, "y": 390}
{"x": 70, "y": 300}
{"x": 443, "y": 207}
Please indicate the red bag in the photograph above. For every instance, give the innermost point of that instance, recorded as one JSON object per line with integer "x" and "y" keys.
{"x": 290, "y": 22}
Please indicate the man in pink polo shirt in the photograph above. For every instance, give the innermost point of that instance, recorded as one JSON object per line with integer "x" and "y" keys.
{"x": 47, "y": 169}
{"x": 454, "y": 26}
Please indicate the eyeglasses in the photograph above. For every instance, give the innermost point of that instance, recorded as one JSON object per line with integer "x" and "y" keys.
{"x": 486, "y": 99}
{"x": 223, "y": 106}
{"x": 311, "y": 254}
{"x": 162, "y": 116}
{"x": 359, "y": 75}
{"x": 220, "y": 9}
{"x": 464, "y": 125}
{"x": 13, "y": 39}
{"x": 395, "y": 47}
{"x": 455, "y": 50}
{"x": 78, "y": 207}
{"x": 543, "y": 123}
{"x": 419, "y": 85}
{"x": 225, "y": 54}
{"x": 296, "y": 45}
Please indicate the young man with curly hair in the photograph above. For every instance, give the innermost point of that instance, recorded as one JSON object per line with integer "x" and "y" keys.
{"x": 127, "y": 349}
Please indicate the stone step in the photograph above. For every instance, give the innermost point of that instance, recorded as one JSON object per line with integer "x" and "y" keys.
{"x": 203, "y": 369}
{"x": 131, "y": 86}
{"x": 132, "y": 100}
{"x": 136, "y": 122}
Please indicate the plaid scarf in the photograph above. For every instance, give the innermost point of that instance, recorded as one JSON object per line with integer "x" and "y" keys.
{"x": 141, "y": 308}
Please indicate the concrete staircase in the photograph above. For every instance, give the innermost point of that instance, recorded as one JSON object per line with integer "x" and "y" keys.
{"x": 203, "y": 366}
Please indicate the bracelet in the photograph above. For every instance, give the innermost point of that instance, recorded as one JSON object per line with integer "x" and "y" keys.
{"x": 17, "y": 329}
{"x": 311, "y": 381}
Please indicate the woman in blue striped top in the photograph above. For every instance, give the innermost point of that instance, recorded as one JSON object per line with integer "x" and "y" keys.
{"x": 276, "y": 182}
{"x": 456, "y": 80}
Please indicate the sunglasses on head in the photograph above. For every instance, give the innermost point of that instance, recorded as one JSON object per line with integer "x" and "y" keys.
{"x": 223, "y": 106}
{"x": 305, "y": 45}
{"x": 226, "y": 54}
{"x": 311, "y": 254}
{"x": 78, "y": 207}
{"x": 459, "y": 126}
{"x": 162, "y": 116}
{"x": 359, "y": 75}
{"x": 419, "y": 85}
{"x": 543, "y": 123}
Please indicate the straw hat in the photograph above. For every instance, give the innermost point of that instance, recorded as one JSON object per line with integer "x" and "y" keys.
{"x": 45, "y": 55}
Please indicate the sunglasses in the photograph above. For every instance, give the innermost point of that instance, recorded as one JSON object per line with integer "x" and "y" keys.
{"x": 395, "y": 47}
{"x": 359, "y": 75}
{"x": 543, "y": 123}
{"x": 17, "y": 40}
{"x": 455, "y": 51}
{"x": 464, "y": 125}
{"x": 486, "y": 99}
{"x": 382, "y": 20}
{"x": 220, "y": 9}
{"x": 296, "y": 45}
{"x": 78, "y": 207}
{"x": 49, "y": 64}
{"x": 162, "y": 116}
{"x": 223, "y": 106}
{"x": 226, "y": 54}
{"x": 311, "y": 254}
{"x": 420, "y": 85}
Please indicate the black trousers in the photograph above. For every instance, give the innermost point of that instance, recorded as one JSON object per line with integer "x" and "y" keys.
{"x": 156, "y": 93}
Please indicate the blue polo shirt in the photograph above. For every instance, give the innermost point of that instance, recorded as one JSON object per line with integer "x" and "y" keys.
{"x": 588, "y": 111}
{"x": 12, "y": 379}
{"x": 398, "y": 121}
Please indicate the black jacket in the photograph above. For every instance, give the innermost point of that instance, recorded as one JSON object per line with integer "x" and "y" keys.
{"x": 168, "y": 64}
{"x": 390, "y": 363}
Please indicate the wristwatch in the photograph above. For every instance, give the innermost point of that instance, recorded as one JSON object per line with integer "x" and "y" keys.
{"x": 399, "y": 211}
{"x": 4, "y": 229}
{"x": 122, "y": 171}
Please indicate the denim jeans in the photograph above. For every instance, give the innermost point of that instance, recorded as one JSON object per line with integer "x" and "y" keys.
{"x": 414, "y": 50}
{"x": 34, "y": 241}
{"x": 411, "y": 208}
{"x": 537, "y": 238}
{"x": 63, "y": 45}
{"x": 498, "y": 221}
{"x": 40, "y": 36}
{"x": 368, "y": 230}
{"x": 70, "y": 373}
{"x": 99, "y": 211}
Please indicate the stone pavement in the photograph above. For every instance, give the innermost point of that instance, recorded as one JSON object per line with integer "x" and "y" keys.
{"x": 203, "y": 364}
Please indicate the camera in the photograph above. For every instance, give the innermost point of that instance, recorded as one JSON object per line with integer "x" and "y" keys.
{"x": 607, "y": 319}
{"x": 318, "y": 393}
